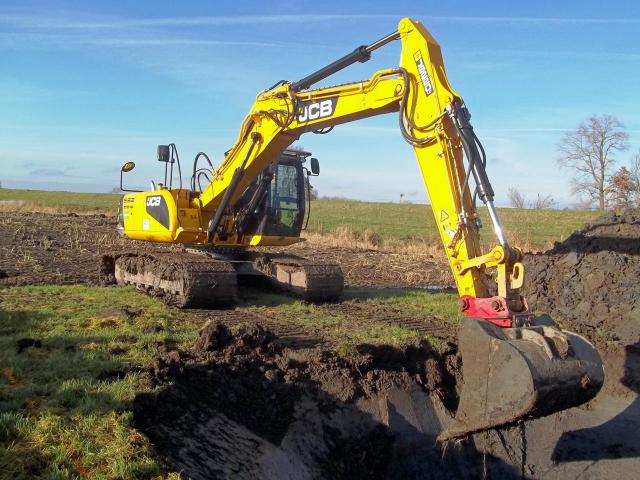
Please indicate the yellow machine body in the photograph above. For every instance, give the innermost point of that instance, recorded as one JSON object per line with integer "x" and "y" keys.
{"x": 167, "y": 216}
{"x": 510, "y": 373}
{"x": 273, "y": 120}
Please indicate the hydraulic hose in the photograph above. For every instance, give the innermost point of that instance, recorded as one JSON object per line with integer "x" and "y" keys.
{"x": 233, "y": 184}
{"x": 195, "y": 168}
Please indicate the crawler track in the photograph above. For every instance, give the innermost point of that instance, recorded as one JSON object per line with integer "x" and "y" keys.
{"x": 185, "y": 280}
{"x": 310, "y": 280}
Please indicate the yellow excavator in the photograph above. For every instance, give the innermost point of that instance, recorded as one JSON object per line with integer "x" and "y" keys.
{"x": 515, "y": 366}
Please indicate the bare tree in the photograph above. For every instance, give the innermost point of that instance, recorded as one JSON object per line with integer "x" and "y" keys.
{"x": 589, "y": 152}
{"x": 543, "y": 201}
{"x": 635, "y": 177}
{"x": 516, "y": 199}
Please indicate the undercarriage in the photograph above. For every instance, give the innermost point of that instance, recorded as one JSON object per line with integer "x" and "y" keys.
{"x": 207, "y": 278}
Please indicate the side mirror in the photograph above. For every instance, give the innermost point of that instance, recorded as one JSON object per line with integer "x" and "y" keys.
{"x": 127, "y": 167}
{"x": 163, "y": 153}
{"x": 315, "y": 166}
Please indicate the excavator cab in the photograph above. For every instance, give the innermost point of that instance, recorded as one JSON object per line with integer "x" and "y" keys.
{"x": 276, "y": 203}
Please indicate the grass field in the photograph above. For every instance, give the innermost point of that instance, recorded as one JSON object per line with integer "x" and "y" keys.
{"x": 393, "y": 222}
{"x": 65, "y": 201}
{"x": 58, "y": 420}
{"x": 538, "y": 228}
{"x": 61, "y": 417}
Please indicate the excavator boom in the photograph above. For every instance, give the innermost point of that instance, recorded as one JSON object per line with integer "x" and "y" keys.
{"x": 513, "y": 366}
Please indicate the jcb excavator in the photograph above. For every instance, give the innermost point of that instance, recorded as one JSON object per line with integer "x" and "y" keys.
{"x": 514, "y": 365}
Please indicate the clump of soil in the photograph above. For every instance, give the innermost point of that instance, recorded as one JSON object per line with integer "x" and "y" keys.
{"x": 152, "y": 328}
{"x": 123, "y": 312}
{"x": 240, "y": 405}
{"x": 25, "y": 343}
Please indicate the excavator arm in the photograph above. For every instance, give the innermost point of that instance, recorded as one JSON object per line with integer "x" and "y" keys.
{"x": 514, "y": 367}
{"x": 432, "y": 118}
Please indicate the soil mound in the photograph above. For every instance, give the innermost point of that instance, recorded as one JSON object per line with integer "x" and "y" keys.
{"x": 591, "y": 279}
{"x": 239, "y": 405}
{"x": 589, "y": 283}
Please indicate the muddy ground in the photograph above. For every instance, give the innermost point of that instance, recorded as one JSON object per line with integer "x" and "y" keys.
{"x": 37, "y": 248}
{"x": 248, "y": 403}
{"x": 240, "y": 404}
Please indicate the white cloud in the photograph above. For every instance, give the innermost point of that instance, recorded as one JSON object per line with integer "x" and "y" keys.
{"x": 73, "y": 21}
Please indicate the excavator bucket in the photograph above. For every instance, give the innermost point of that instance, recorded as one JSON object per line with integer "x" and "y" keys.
{"x": 518, "y": 373}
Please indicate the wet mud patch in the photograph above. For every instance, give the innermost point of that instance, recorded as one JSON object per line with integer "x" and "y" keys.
{"x": 24, "y": 343}
{"x": 240, "y": 405}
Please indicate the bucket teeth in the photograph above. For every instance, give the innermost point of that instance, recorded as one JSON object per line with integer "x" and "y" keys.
{"x": 517, "y": 373}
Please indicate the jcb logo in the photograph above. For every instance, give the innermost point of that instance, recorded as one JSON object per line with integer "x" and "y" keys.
{"x": 154, "y": 201}
{"x": 315, "y": 110}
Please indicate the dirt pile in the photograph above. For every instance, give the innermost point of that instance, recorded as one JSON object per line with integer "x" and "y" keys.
{"x": 589, "y": 283}
{"x": 239, "y": 405}
{"x": 590, "y": 280}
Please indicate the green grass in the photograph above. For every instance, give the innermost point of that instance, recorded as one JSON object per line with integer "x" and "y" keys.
{"x": 346, "y": 328}
{"x": 68, "y": 201}
{"x": 57, "y": 420}
{"x": 438, "y": 304}
{"x": 393, "y": 221}
{"x": 539, "y": 228}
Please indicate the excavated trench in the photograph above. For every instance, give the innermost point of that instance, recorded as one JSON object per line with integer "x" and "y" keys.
{"x": 241, "y": 404}
{"x": 238, "y": 405}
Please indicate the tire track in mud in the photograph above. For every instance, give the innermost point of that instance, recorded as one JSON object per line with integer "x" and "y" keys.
{"x": 288, "y": 334}
{"x": 421, "y": 323}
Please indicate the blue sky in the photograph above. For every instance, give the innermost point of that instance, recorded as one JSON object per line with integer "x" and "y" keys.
{"x": 85, "y": 86}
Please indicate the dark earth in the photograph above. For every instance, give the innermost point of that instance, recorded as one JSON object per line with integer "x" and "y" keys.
{"x": 238, "y": 405}
{"x": 255, "y": 398}
{"x": 38, "y": 248}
